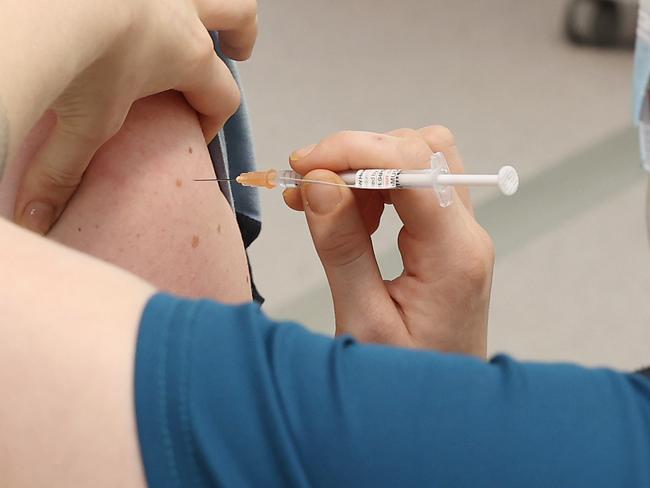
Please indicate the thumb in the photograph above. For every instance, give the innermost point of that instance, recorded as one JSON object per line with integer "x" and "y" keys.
{"x": 345, "y": 250}
{"x": 52, "y": 178}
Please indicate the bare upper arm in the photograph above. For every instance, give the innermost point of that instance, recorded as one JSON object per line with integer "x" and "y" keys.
{"x": 138, "y": 207}
{"x": 67, "y": 347}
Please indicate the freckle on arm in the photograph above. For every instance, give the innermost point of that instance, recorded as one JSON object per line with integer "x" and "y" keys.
{"x": 195, "y": 242}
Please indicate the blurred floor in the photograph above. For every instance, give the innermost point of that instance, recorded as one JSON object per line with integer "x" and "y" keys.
{"x": 572, "y": 280}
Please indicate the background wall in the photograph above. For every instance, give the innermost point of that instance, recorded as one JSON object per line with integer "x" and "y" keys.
{"x": 572, "y": 280}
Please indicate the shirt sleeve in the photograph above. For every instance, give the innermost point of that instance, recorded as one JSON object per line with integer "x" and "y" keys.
{"x": 226, "y": 397}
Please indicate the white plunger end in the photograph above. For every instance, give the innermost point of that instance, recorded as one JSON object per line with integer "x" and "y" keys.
{"x": 508, "y": 180}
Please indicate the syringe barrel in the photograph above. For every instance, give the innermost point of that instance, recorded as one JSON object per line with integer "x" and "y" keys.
{"x": 415, "y": 179}
{"x": 286, "y": 178}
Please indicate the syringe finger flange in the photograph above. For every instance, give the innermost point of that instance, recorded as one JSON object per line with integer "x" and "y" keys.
{"x": 440, "y": 168}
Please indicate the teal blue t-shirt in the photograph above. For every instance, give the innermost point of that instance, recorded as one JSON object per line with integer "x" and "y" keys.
{"x": 227, "y": 397}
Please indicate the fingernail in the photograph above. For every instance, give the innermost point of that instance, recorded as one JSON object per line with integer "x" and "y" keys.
{"x": 301, "y": 153}
{"x": 38, "y": 217}
{"x": 322, "y": 199}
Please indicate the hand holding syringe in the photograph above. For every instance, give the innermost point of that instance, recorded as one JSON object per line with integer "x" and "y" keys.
{"x": 440, "y": 299}
{"x": 437, "y": 177}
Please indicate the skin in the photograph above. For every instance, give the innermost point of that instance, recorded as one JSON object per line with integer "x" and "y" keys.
{"x": 66, "y": 367}
{"x": 139, "y": 209}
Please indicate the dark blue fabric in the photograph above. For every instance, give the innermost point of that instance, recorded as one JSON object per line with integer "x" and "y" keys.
{"x": 226, "y": 397}
{"x": 232, "y": 153}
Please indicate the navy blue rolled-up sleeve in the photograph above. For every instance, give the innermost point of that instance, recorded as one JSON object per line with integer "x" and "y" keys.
{"x": 226, "y": 397}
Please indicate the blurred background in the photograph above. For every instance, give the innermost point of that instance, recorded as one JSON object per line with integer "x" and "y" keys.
{"x": 572, "y": 277}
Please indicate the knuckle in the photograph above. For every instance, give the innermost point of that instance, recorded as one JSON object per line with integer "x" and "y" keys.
{"x": 343, "y": 141}
{"x": 405, "y": 132}
{"x": 60, "y": 178}
{"x": 344, "y": 138}
{"x": 342, "y": 248}
{"x": 383, "y": 139}
{"x": 104, "y": 123}
{"x": 87, "y": 133}
{"x": 414, "y": 152}
{"x": 200, "y": 46}
{"x": 438, "y": 135}
{"x": 111, "y": 125}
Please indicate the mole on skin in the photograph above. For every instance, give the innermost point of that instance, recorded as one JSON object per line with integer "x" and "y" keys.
{"x": 195, "y": 242}
{"x": 191, "y": 150}
{"x": 219, "y": 229}
{"x": 179, "y": 182}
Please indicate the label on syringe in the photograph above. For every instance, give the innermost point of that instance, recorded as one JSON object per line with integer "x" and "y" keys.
{"x": 377, "y": 179}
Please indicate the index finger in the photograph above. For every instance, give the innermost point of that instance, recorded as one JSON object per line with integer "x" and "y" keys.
{"x": 351, "y": 150}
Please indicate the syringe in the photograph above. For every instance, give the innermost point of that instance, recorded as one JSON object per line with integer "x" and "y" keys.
{"x": 437, "y": 177}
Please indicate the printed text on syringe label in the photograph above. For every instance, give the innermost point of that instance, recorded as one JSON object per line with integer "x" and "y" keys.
{"x": 378, "y": 179}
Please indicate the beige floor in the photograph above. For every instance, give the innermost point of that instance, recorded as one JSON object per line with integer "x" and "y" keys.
{"x": 572, "y": 280}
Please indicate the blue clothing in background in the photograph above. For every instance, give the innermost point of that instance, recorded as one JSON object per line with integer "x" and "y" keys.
{"x": 226, "y": 397}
